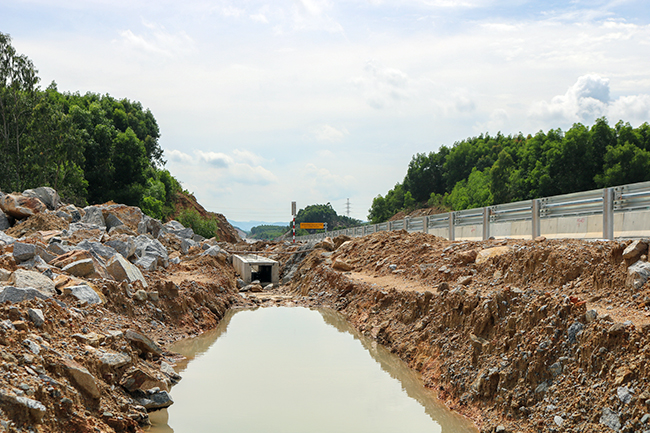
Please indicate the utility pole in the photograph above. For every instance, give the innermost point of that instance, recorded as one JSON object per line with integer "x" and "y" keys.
{"x": 293, "y": 212}
{"x": 347, "y": 208}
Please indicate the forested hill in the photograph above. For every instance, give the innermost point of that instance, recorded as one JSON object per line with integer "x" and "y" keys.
{"x": 91, "y": 148}
{"x": 488, "y": 170}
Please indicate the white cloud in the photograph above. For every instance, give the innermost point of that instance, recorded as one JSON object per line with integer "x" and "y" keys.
{"x": 157, "y": 40}
{"x": 324, "y": 185}
{"x": 585, "y": 101}
{"x": 634, "y": 109}
{"x": 216, "y": 159}
{"x": 382, "y": 86}
{"x": 178, "y": 156}
{"x": 329, "y": 133}
{"x": 260, "y": 18}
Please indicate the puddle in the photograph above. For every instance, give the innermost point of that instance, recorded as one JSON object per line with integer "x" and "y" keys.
{"x": 295, "y": 370}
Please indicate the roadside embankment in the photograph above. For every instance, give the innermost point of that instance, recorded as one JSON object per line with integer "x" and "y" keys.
{"x": 521, "y": 336}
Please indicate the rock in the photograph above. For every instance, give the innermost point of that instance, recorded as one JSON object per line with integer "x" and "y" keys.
{"x": 635, "y": 249}
{"x": 151, "y": 226}
{"x": 540, "y": 239}
{"x": 70, "y": 257}
{"x": 66, "y": 216}
{"x": 97, "y": 248}
{"x": 213, "y": 251}
{"x": 6, "y": 239}
{"x": 4, "y": 221}
{"x": 153, "y": 296}
{"x": 83, "y": 293}
{"x": 144, "y": 246}
{"x": 80, "y": 268}
{"x": 573, "y": 331}
{"x": 114, "y": 360}
{"x": 157, "y": 400}
{"x": 464, "y": 280}
{"x": 82, "y": 378}
{"x": 137, "y": 379}
{"x": 486, "y": 254}
{"x": 326, "y": 244}
{"x": 4, "y": 275}
{"x": 23, "y": 252}
{"x": 558, "y": 420}
{"x": 240, "y": 283}
{"x": 36, "y": 316}
{"x": 591, "y": 315}
{"x": 91, "y": 338}
{"x": 112, "y": 221}
{"x": 131, "y": 216}
{"x": 179, "y": 230}
{"x": 255, "y": 288}
{"x": 20, "y": 207}
{"x": 125, "y": 248}
{"x": 93, "y": 216}
{"x": 17, "y": 294}
{"x": 341, "y": 265}
{"x": 610, "y": 419}
{"x": 638, "y": 274}
{"x": 555, "y": 369}
{"x": 48, "y": 196}
{"x": 467, "y": 256}
{"x": 268, "y": 287}
{"x": 624, "y": 394}
{"x": 169, "y": 371}
{"x": 22, "y": 278}
{"x": 617, "y": 329}
{"x": 140, "y": 295}
{"x": 147, "y": 263}
{"x": 34, "y": 408}
{"x": 122, "y": 270}
{"x": 186, "y": 244}
{"x": 142, "y": 342}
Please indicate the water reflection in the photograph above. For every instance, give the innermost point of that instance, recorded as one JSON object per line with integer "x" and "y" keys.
{"x": 282, "y": 370}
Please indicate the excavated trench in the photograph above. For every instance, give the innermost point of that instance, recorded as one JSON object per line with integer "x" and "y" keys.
{"x": 295, "y": 370}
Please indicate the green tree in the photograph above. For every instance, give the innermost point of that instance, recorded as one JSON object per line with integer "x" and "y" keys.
{"x": 18, "y": 96}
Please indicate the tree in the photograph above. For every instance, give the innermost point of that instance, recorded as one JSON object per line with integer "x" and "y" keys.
{"x": 18, "y": 95}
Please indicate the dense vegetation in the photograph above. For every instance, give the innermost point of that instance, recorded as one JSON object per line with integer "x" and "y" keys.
{"x": 323, "y": 213}
{"x": 91, "y": 148}
{"x": 269, "y": 232}
{"x": 488, "y": 170}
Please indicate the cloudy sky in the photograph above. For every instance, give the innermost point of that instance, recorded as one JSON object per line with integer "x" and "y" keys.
{"x": 263, "y": 103}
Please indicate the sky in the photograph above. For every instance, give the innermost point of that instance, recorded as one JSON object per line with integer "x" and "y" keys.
{"x": 263, "y": 103}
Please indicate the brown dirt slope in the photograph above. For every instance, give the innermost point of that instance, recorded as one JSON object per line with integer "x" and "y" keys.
{"x": 522, "y": 336}
{"x": 226, "y": 232}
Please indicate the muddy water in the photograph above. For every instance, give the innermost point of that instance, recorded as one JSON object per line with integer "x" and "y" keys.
{"x": 295, "y": 370}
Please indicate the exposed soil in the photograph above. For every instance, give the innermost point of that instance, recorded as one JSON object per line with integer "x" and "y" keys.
{"x": 545, "y": 336}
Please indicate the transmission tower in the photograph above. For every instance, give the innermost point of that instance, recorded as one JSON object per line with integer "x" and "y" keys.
{"x": 347, "y": 208}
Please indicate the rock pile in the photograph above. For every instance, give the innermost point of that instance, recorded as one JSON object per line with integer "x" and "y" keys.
{"x": 88, "y": 299}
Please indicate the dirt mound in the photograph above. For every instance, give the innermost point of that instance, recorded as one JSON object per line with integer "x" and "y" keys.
{"x": 37, "y": 223}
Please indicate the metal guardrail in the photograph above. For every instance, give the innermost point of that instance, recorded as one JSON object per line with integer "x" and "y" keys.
{"x": 606, "y": 202}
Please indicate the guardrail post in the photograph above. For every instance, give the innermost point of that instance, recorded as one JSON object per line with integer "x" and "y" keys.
{"x": 426, "y": 224}
{"x": 608, "y": 214}
{"x": 486, "y": 223}
{"x": 390, "y": 226}
{"x": 535, "y": 232}
{"x": 452, "y": 230}
{"x": 406, "y": 224}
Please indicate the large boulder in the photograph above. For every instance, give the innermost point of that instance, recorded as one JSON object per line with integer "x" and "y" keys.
{"x": 638, "y": 274}
{"x": 151, "y": 226}
{"x": 83, "y": 293}
{"x": 81, "y": 377}
{"x": 124, "y": 246}
{"x": 112, "y": 221}
{"x": 93, "y": 216}
{"x": 129, "y": 215}
{"x": 80, "y": 268}
{"x": 635, "y": 249}
{"x": 97, "y": 249}
{"x": 145, "y": 246}
{"x": 45, "y": 194}
{"x": 22, "y": 278}
{"x": 122, "y": 270}
{"x": 179, "y": 229}
{"x": 19, "y": 206}
{"x": 17, "y": 294}
{"x": 23, "y": 251}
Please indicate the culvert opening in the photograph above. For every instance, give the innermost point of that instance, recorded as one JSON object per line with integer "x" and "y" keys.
{"x": 263, "y": 273}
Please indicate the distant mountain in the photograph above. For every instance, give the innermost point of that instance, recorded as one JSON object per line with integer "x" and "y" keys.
{"x": 247, "y": 225}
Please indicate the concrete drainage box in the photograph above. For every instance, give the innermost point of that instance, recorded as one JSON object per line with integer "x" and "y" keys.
{"x": 251, "y": 267}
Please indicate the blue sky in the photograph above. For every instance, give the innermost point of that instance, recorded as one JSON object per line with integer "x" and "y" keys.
{"x": 263, "y": 103}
